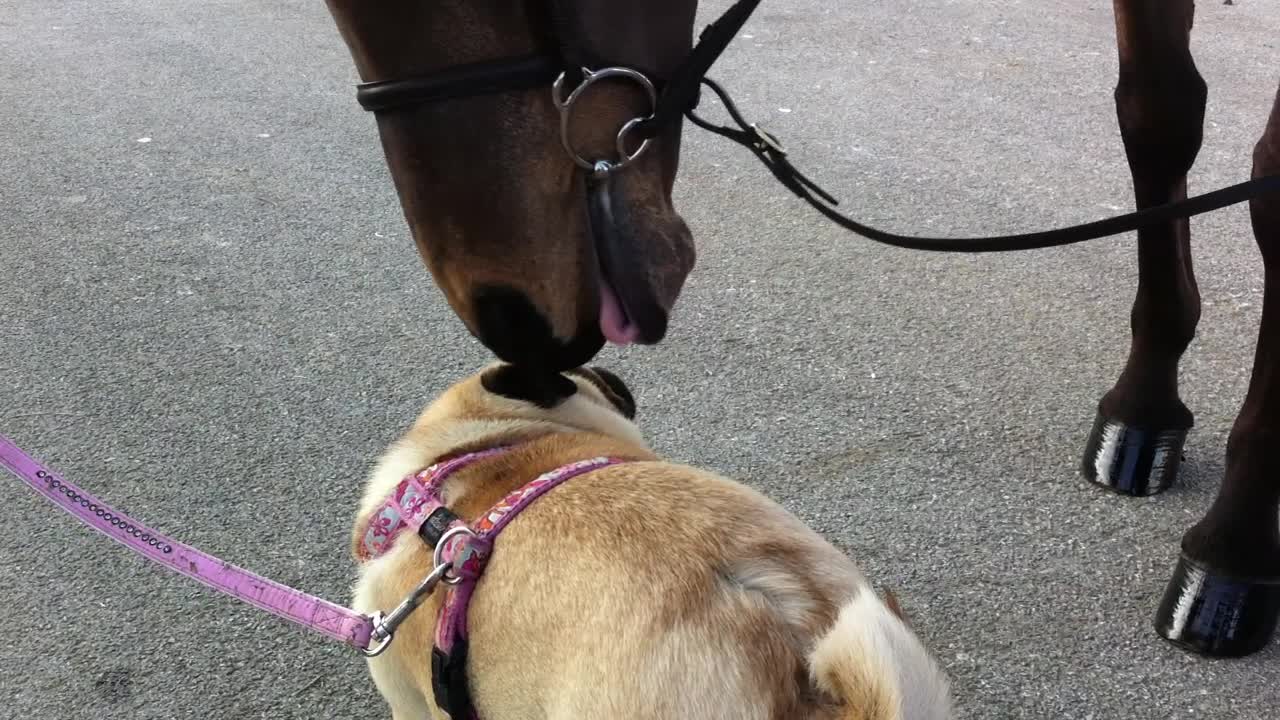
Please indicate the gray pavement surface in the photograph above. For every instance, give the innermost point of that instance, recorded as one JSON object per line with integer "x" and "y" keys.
{"x": 210, "y": 313}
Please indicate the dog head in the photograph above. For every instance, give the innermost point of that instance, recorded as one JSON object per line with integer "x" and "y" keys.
{"x": 550, "y": 390}
{"x": 504, "y": 402}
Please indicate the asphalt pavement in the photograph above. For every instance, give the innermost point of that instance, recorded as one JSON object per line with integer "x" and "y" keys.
{"x": 211, "y": 314}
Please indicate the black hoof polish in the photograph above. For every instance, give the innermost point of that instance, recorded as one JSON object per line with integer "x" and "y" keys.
{"x": 1218, "y": 615}
{"x": 1131, "y": 460}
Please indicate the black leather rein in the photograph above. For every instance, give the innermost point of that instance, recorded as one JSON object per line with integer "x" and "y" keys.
{"x": 679, "y": 97}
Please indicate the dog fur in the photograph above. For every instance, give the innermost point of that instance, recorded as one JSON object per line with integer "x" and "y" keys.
{"x": 644, "y": 590}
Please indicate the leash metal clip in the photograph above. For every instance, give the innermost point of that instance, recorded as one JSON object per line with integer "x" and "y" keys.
{"x": 766, "y": 140}
{"x": 384, "y": 626}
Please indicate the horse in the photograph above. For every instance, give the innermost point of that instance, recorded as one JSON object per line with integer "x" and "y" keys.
{"x": 523, "y": 148}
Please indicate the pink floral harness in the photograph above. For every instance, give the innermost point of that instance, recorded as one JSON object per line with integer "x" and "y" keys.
{"x": 461, "y": 552}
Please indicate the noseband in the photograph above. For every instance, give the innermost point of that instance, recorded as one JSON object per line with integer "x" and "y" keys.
{"x": 568, "y": 70}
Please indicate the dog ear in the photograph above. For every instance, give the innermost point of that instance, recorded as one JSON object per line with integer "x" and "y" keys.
{"x": 621, "y": 394}
{"x": 611, "y": 386}
{"x": 541, "y": 387}
{"x": 891, "y": 601}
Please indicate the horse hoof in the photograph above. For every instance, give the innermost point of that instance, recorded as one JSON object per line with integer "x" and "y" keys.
{"x": 1218, "y": 615}
{"x": 1132, "y": 460}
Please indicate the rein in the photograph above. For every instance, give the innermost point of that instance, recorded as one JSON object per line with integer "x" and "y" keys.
{"x": 771, "y": 153}
{"x": 679, "y": 96}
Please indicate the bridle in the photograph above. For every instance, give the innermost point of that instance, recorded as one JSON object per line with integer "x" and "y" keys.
{"x": 570, "y": 69}
{"x": 678, "y": 95}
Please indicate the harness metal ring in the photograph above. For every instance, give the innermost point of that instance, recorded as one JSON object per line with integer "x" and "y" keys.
{"x": 437, "y": 555}
{"x": 564, "y": 105}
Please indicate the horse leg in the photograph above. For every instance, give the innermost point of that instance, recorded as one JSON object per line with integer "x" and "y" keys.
{"x": 1136, "y": 442}
{"x": 1224, "y": 598}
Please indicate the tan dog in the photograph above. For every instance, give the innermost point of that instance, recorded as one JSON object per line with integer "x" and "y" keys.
{"x": 641, "y": 590}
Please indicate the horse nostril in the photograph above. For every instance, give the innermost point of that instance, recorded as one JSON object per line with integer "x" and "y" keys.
{"x": 507, "y": 322}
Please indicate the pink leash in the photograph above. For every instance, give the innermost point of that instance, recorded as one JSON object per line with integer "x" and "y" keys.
{"x": 311, "y": 612}
{"x": 460, "y": 554}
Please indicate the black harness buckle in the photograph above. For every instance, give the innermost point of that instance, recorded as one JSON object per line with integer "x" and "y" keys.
{"x": 435, "y": 526}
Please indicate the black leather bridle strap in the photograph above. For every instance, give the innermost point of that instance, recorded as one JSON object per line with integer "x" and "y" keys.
{"x": 480, "y": 78}
{"x": 680, "y": 94}
{"x": 770, "y": 152}
{"x": 566, "y": 31}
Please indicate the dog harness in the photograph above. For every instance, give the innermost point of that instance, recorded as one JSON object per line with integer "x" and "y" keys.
{"x": 461, "y": 551}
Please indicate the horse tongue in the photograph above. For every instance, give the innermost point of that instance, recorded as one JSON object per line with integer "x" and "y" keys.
{"x": 614, "y": 324}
